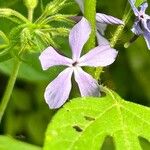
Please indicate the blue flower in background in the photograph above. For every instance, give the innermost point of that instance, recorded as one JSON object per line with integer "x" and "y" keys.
{"x": 142, "y": 22}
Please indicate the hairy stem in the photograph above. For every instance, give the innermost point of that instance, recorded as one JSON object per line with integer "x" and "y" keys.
{"x": 119, "y": 30}
{"x": 114, "y": 39}
{"x": 9, "y": 88}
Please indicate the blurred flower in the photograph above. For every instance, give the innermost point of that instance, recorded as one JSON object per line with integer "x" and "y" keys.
{"x": 142, "y": 23}
{"x": 57, "y": 92}
{"x": 102, "y": 20}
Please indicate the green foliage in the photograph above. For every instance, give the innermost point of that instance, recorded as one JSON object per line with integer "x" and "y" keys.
{"x": 29, "y": 36}
{"x": 13, "y": 15}
{"x": 85, "y": 122}
{"x": 7, "y": 143}
{"x": 138, "y": 2}
{"x": 30, "y": 70}
{"x": 129, "y": 76}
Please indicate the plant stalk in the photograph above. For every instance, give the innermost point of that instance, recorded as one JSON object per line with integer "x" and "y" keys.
{"x": 13, "y": 77}
{"x": 30, "y": 14}
{"x": 9, "y": 88}
{"x": 90, "y": 15}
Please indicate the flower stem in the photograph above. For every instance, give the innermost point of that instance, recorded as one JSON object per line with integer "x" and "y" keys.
{"x": 119, "y": 30}
{"x": 90, "y": 14}
{"x": 114, "y": 39}
{"x": 30, "y": 14}
{"x": 9, "y": 87}
{"x": 13, "y": 77}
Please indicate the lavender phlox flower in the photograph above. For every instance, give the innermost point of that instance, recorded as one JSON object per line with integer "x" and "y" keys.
{"x": 142, "y": 22}
{"x": 57, "y": 92}
{"x": 102, "y": 20}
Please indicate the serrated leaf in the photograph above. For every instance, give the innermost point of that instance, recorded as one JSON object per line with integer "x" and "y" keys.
{"x": 84, "y": 123}
{"x": 7, "y": 143}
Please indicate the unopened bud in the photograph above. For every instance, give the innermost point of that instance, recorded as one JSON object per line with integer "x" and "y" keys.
{"x": 31, "y": 4}
{"x": 126, "y": 45}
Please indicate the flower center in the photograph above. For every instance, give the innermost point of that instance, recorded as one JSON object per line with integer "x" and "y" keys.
{"x": 141, "y": 16}
{"x": 75, "y": 63}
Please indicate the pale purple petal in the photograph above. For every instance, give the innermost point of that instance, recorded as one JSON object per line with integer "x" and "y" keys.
{"x": 107, "y": 19}
{"x": 136, "y": 29}
{"x": 143, "y": 7}
{"x": 147, "y": 39}
{"x": 102, "y": 55}
{"x": 49, "y": 57}
{"x": 101, "y": 40}
{"x": 57, "y": 92}
{"x": 144, "y": 22}
{"x": 78, "y": 37}
{"x": 87, "y": 85}
{"x": 101, "y": 27}
{"x": 81, "y": 4}
{"x": 135, "y": 10}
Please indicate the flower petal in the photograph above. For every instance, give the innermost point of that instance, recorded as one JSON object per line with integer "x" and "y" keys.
{"x": 135, "y": 10}
{"x": 87, "y": 85}
{"x": 78, "y": 37}
{"x": 143, "y": 7}
{"x": 81, "y": 4}
{"x": 101, "y": 27}
{"x": 136, "y": 29}
{"x": 49, "y": 57}
{"x": 101, "y": 40}
{"x": 107, "y": 19}
{"x": 102, "y": 55}
{"x": 145, "y": 22}
{"x": 57, "y": 92}
{"x": 147, "y": 39}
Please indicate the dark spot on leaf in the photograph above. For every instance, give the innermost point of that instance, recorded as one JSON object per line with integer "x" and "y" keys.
{"x": 77, "y": 128}
{"x": 145, "y": 144}
{"x": 108, "y": 144}
{"x": 89, "y": 118}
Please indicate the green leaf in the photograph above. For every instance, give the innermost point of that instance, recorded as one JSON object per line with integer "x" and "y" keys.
{"x": 7, "y": 143}
{"x": 139, "y": 2}
{"x": 84, "y": 123}
{"x": 30, "y": 70}
{"x": 13, "y": 15}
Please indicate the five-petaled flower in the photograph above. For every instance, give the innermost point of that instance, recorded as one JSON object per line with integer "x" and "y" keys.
{"x": 57, "y": 92}
{"x": 142, "y": 23}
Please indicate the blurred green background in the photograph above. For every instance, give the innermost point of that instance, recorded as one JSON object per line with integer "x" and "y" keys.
{"x": 27, "y": 114}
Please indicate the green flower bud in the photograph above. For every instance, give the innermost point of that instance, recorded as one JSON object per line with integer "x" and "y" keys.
{"x": 31, "y": 4}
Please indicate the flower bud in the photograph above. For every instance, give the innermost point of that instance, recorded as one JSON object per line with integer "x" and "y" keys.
{"x": 30, "y": 4}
